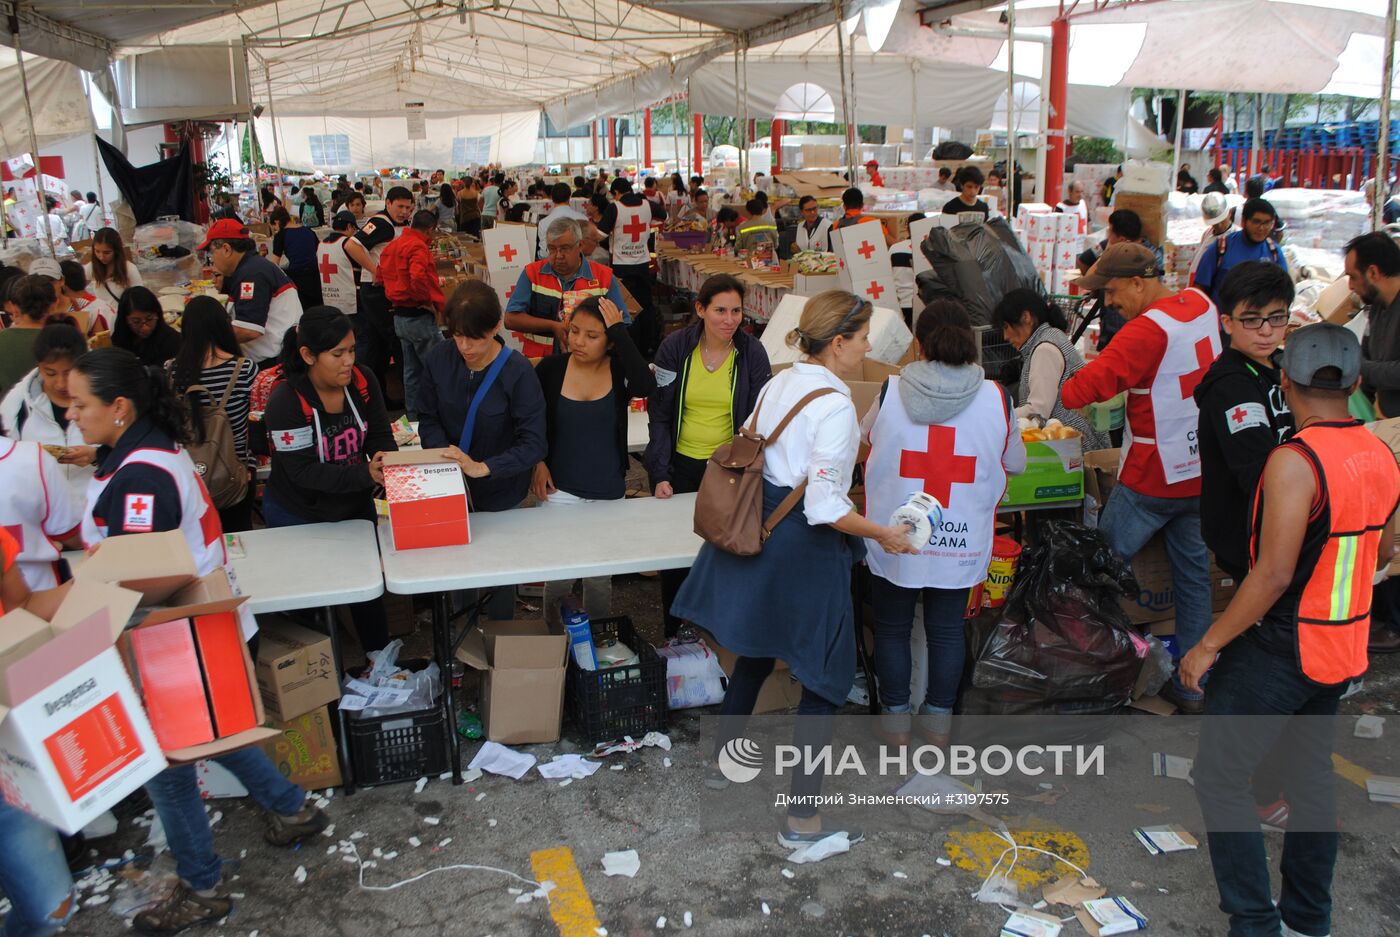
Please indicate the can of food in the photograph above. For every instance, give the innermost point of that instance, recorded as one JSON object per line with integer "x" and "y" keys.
{"x": 1006, "y": 556}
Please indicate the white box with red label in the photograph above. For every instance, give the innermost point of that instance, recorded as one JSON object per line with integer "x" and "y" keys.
{"x": 74, "y": 738}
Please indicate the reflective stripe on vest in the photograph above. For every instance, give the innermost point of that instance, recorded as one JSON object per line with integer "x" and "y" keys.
{"x": 1334, "y": 610}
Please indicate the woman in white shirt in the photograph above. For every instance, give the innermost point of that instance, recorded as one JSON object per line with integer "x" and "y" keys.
{"x": 792, "y": 601}
{"x": 36, "y": 408}
{"x": 1037, "y": 328}
{"x": 109, "y": 272}
{"x": 939, "y": 409}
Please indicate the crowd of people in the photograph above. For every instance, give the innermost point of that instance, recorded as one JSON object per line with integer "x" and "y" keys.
{"x": 1228, "y": 454}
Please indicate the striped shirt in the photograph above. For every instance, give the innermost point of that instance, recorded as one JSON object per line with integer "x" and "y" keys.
{"x": 215, "y": 379}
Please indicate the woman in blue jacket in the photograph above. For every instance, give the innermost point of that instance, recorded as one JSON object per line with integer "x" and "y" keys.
{"x": 708, "y": 376}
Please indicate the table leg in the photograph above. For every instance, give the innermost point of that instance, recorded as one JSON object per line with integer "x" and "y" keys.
{"x": 347, "y": 773}
{"x": 442, "y": 650}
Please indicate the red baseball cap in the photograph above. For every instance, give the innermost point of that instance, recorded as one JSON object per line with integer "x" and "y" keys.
{"x": 872, "y": 162}
{"x": 225, "y": 229}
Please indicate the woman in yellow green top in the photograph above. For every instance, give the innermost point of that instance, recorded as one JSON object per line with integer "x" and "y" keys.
{"x": 708, "y": 376}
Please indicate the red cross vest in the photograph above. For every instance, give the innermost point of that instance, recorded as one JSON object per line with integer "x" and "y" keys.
{"x": 337, "y": 275}
{"x": 1358, "y": 487}
{"x": 957, "y": 462}
{"x": 629, "y": 238}
{"x": 1192, "y": 328}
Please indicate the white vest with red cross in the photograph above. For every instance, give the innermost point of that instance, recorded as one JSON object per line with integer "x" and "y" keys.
{"x": 1193, "y": 343}
{"x": 337, "y": 276}
{"x": 629, "y": 235}
{"x": 957, "y": 462}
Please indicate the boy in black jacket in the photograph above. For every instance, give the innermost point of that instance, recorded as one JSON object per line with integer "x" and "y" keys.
{"x": 1243, "y": 413}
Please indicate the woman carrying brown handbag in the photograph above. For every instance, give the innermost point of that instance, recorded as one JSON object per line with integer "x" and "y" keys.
{"x": 792, "y": 601}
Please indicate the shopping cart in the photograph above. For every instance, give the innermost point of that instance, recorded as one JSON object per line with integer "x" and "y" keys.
{"x": 1080, "y": 312}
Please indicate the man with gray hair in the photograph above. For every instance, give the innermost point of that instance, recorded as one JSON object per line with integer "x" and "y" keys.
{"x": 1074, "y": 204}
{"x": 542, "y": 301}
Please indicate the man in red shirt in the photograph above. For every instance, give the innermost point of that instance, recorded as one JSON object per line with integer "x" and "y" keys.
{"x": 1158, "y": 357}
{"x": 872, "y": 169}
{"x": 409, "y": 275}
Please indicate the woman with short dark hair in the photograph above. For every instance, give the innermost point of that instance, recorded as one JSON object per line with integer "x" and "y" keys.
{"x": 944, "y": 400}
{"x": 481, "y": 401}
{"x": 1036, "y": 327}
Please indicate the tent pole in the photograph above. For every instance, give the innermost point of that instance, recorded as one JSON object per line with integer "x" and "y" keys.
{"x": 252, "y": 130}
{"x": 675, "y": 113}
{"x": 97, "y": 157}
{"x": 738, "y": 112}
{"x": 272, "y": 116}
{"x": 854, "y": 158}
{"x": 747, "y": 142}
{"x": 1180, "y": 129}
{"x": 228, "y": 150}
{"x": 1382, "y": 173}
{"x": 1042, "y": 153}
{"x": 1010, "y": 180}
{"x": 841, "y": 67}
{"x": 1256, "y": 138}
{"x": 33, "y": 136}
{"x": 914, "y": 113}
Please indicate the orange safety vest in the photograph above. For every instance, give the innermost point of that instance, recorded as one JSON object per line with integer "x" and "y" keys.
{"x": 549, "y": 300}
{"x": 1358, "y": 488}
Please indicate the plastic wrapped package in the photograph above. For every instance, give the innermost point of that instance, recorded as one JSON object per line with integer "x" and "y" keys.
{"x": 19, "y": 252}
{"x": 387, "y": 674}
{"x": 976, "y": 263}
{"x": 1063, "y": 643}
{"x": 149, "y": 238}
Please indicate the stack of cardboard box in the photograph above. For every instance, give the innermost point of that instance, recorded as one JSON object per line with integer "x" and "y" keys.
{"x": 1053, "y": 241}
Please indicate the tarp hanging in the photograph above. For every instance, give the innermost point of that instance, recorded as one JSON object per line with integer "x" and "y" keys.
{"x": 163, "y": 188}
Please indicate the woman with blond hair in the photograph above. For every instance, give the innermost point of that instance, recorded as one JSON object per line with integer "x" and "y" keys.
{"x": 792, "y": 601}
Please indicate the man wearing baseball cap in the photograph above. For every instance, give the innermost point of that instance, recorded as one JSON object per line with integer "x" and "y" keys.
{"x": 872, "y": 169}
{"x": 1159, "y": 357}
{"x": 264, "y": 300}
{"x": 1291, "y": 640}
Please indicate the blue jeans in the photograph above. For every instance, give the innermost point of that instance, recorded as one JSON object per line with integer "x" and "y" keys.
{"x": 370, "y": 620}
{"x": 175, "y": 794}
{"x": 34, "y": 875}
{"x": 1131, "y": 518}
{"x": 418, "y": 334}
{"x": 1249, "y": 681}
{"x": 943, "y": 626}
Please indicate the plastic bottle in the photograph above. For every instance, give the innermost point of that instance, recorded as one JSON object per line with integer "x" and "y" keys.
{"x": 580, "y": 631}
{"x": 920, "y": 514}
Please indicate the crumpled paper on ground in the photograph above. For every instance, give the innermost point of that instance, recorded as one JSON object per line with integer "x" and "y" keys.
{"x": 833, "y": 845}
{"x": 497, "y": 759}
{"x": 625, "y": 862}
{"x": 568, "y": 766}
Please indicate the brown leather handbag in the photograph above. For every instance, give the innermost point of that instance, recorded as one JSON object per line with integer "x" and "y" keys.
{"x": 729, "y": 505}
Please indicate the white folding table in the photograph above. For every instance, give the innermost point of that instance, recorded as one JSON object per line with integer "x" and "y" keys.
{"x": 538, "y": 544}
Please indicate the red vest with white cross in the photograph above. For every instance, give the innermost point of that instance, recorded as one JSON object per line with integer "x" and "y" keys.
{"x": 1162, "y": 417}
{"x": 957, "y": 462}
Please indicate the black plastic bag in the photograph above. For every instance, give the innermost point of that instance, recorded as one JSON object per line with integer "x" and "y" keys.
{"x": 980, "y": 262}
{"x": 1063, "y": 643}
{"x": 952, "y": 149}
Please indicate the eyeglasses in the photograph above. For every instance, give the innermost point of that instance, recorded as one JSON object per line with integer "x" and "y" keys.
{"x": 1276, "y": 321}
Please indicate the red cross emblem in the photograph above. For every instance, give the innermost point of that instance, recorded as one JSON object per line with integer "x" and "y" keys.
{"x": 636, "y": 227}
{"x": 287, "y": 439}
{"x": 1238, "y": 415}
{"x": 866, "y": 249}
{"x": 327, "y": 269}
{"x": 940, "y": 467}
{"x": 510, "y": 290}
{"x": 874, "y": 290}
{"x": 508, "y": 252}
{"x": 1191, "y": 380}
{"x": 139, "y": 506}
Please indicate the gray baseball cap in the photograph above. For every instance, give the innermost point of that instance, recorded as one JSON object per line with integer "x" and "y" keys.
{"x": 45, "y": 267}
{"x": 1325, "y": 345}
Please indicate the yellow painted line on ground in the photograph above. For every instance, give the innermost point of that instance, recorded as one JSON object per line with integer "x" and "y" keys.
{"x": 1351, "y": 771}
{"x": 974, "y": 848}
{"x": 569, "y": 904}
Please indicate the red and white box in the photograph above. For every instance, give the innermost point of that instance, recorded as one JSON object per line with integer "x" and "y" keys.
{"x": 74, "y": 739}
{"x": 427, "y": 499}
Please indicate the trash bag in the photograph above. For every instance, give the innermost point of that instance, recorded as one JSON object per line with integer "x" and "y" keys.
{"x": 1063, "y": 643}
{"x": 420, "y": 680}
{"x": 980, "y": 262}
{"x": 952, "y": 149}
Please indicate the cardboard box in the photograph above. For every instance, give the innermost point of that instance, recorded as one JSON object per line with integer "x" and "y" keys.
{"x": 804, "y": 284}
{"x": 73, "y": 735}
{"x": 304, "y": 750}
{"x": 865, "y": 383}
{"x": 1151, "y": 209}
{"x": 780, "y": 691}
{"x": 522, "y": 686}
{"x": 816, "y": 184}
{"x": 1156, "y": 597}
{"x": 295, "y": 669}
{"x": 1054, "y": 472}
{"x": 213, "y": 616}
{"x": 427, "y": 499}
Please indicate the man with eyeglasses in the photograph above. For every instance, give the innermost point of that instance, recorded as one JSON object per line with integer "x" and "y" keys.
{"x": 544, "y": 298}
{"x": 1254, "y": 241}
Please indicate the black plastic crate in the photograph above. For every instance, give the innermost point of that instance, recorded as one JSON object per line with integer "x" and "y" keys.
{"x": 611, "y": 702}
{"x": 398, "y": 747}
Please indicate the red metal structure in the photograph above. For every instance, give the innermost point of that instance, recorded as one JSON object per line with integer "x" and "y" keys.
{"x": 777, "y": 145}
{"x": 646, "y": 138}
{"x": 695, "y": 167}
{"x": 1059, "y": 90}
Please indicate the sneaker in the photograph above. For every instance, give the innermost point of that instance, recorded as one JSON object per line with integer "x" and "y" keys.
{"x": 1189, "y": 704}
{"x": 182, "y": 909}
{"x": 791, "y": 839}
{"x": 1290, "y": 932}
{"x": 288, "y": 831}
{"x": 1274, "y": 816}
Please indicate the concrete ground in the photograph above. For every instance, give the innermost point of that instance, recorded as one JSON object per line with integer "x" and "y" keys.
{"x": 892, "y": 884}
